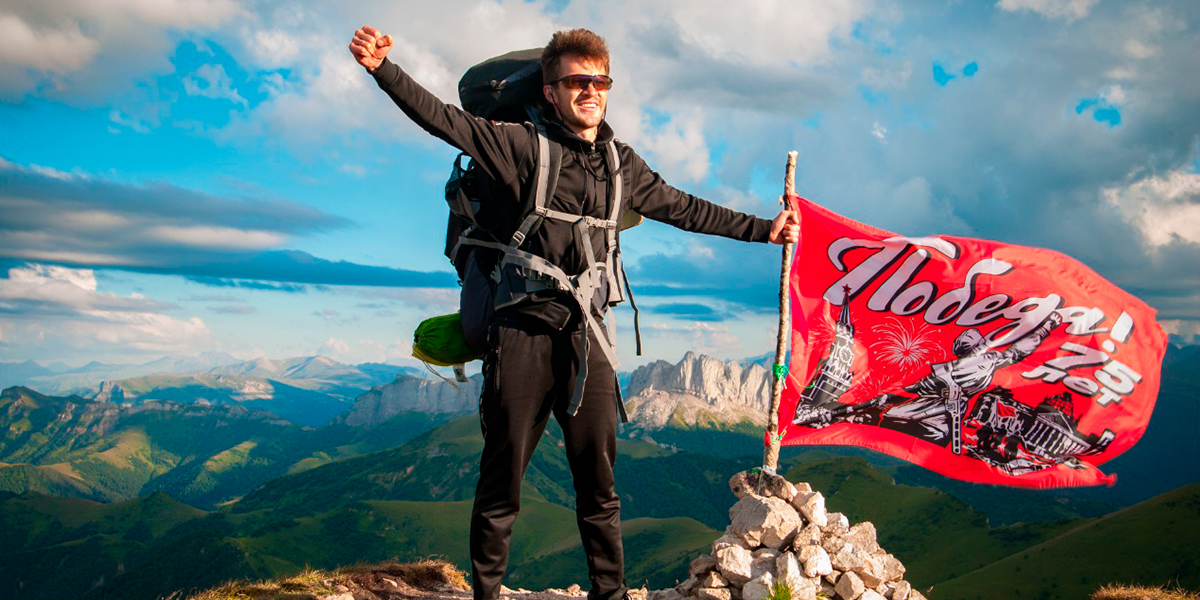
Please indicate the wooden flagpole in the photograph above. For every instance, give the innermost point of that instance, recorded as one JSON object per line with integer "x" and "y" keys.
{"x": 779, "y": 370}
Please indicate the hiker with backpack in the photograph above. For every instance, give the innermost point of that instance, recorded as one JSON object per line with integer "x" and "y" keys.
{"x": 550, "y": 190}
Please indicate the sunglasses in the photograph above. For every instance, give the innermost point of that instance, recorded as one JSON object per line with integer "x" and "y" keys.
{"x": 581, "y": 82}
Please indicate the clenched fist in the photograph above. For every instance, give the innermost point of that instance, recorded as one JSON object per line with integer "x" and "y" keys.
{"x": 369, "y": 47}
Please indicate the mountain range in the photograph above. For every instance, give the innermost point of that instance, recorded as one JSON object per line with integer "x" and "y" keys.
{"x": 392, "y": 476}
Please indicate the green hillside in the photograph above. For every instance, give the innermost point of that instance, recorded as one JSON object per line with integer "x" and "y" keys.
{"x": 204, "y": 455}
{"x": 442, "y": 464}
{"x": 61, "y": 547}
{"x": 150, "y": 546}
{"x": 1154, "y": 543}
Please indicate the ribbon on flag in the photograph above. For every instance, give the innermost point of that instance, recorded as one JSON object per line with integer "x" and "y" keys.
{"x": 982, "y": 361}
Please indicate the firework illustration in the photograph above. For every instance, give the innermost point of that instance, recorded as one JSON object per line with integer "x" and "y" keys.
{"x": 905, "y": 345}
{"x": 822, "y": 328}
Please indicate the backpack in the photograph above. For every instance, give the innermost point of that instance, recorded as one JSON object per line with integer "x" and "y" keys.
{"x": 484, "y": 241}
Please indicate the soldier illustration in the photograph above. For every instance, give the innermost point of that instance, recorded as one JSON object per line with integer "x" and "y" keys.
{"x": 936, "y": 409}
{"x": 936, "y": 413}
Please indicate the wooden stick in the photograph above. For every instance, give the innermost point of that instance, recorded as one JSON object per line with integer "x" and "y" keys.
{"x": 771, "y": 453}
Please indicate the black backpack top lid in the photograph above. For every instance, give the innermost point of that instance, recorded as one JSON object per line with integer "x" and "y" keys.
{"x": 500, "y": 88}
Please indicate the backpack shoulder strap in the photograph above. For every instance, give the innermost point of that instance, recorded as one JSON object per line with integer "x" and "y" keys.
{"x": 547, "y": 168}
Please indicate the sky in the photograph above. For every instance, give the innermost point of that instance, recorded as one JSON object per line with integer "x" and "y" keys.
{"x": 188, "y": 176}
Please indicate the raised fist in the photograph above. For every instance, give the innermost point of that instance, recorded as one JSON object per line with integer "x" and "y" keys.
{"x": 369, "y": 47}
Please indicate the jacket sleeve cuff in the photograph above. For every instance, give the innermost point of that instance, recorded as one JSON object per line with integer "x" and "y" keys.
{"x": 762, "y": 230}
{"x": 386, "y": 74}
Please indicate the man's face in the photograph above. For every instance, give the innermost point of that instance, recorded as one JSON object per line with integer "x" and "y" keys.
{"x": 581, "y": 110}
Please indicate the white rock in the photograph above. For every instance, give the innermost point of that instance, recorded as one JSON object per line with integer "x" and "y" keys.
{"x": 808, "y": 535}
{"x": 743, "y": 483}
{"x": 816, "y": 561}
{"x": 787, "y": 570}
{"x": 888, "y": 567}
{"x": 763, "y": 561}
{"x": 871, "y": 595}
{"x": 838, "y": 524}
{"x": 902, "y": 591}
{"x": 812, "y": 506}
{"x": 713, "y": 579}
{"x": 729, "y": 538}
{"x": 760, "y": 521}
{"x": 849, "y": 558}
{"x": 849, "y": 586}
{"x": 734, "y": 563}
{"x": 713, "y": 593}
{"x": 862, "y": 535}
{"x": 758, "y": 588}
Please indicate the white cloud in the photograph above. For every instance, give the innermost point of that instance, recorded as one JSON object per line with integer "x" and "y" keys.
{"x": 211, "y": 81}
{"x": 1051, "y": 9}
{"x": 213, "y": 237}
{"x": 84, "y": 279}
{"x": 116, "y": 40}
{"x": 62, "y": 310}
{"x": 879, "y": 131}
{"x": 1165, "y": 209}
{"x": 58, "y": 50}
{"x": 1187, "y": 330}
{"x": 335, "y": 348}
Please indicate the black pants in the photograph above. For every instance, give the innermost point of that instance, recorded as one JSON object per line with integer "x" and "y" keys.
{"x": 530, "y": 374}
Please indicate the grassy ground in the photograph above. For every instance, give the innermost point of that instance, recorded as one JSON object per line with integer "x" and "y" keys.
{"x": 409, "y": 579}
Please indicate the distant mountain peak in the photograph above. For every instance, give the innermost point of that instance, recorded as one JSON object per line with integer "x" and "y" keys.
{"x": 699, "y": 389}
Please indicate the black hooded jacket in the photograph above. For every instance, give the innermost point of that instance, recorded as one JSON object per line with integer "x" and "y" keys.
{"x": 507, "y": 152}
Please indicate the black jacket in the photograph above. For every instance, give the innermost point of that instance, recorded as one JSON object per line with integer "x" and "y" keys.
{"x": 507, "y": 152}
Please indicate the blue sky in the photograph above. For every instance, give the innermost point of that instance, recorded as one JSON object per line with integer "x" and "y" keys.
{"x": 182, "y": 176}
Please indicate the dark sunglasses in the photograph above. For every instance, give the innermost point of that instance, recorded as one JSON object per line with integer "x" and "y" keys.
{"x": 581, "y": 82}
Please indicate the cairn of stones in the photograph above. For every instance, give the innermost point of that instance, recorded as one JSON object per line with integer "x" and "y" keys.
{"x": 780, "y": 533}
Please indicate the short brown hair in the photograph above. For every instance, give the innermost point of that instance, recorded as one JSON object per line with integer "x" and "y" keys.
{"x": 572, "y": 41}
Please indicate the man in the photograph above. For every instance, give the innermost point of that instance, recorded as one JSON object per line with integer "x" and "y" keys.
{"x": 530, "y": 371}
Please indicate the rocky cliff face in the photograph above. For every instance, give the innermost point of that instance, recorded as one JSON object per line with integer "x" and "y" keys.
{"x": 411, "y": 394}
{"x": 698, "y": 390}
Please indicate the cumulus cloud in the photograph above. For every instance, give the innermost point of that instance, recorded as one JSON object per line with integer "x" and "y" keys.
{"x": 80, "y": 50}
{"x": 50, "y": 307}
{"x": 1166, "y": 209}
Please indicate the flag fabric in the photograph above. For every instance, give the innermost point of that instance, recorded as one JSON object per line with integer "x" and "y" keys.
{"x": 982, "y": 361}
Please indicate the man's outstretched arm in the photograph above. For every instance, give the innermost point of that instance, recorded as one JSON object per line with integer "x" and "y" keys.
{"x": 657, "y": 200}
{"x": 501, "y": 149}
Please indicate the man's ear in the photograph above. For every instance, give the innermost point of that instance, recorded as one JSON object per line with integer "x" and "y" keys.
{"x": 548, "y": 92}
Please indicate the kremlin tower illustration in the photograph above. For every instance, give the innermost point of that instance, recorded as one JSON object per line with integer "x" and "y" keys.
{"x": 819, "y": 403}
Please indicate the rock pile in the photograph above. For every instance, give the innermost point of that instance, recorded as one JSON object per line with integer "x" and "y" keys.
{"x": 780, "y": 533}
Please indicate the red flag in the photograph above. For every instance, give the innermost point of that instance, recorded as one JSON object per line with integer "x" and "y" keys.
{"x": 982, "y": 361}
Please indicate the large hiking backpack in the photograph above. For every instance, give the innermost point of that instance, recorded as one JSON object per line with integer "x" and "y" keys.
{"x": 484, "y": 236}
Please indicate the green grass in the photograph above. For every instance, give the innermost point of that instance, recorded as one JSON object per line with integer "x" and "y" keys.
{"x": 1153, "y": 543}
